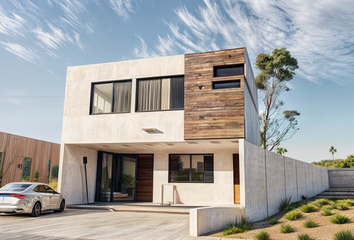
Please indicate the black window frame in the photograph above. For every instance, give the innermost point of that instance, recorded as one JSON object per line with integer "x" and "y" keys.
{"x": 190, "y": 168}
{"x": 155, "y": 78}
{"x": 214, "y": 83}
{"x": 112, "y": 106}
{"x": 229, "y": 67}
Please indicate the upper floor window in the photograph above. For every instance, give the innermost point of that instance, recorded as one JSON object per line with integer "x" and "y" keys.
{"x": 160, "y": 94}
{"x": 113, "y": 97}
{"x": 230, "y": 70}
{"x": 226, "y": 84}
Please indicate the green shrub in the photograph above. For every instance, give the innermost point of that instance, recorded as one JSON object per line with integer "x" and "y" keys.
{"x": 285, "y": 204}
{"x": 273, "y": 221}
{"x": 349, "y": 202}
{"x": 286, "y": 228}
{"x": 232, "y": 230}
{"x": 25, "y": 178}
{"x": 342, "y": 206}
{"x": 55, "y": 172}
{"x": 343, "y": 235}
{"x": 54, "y": 184}
{"x": 321, "y": 202}
{"x": 303, "y": 237}
{"x": 36, "y": 176}
{"x": 308, "y": 208}
{"x": 238, "y": 227}
{"x": 262, "y": 236}
{"x": 339, "y": 219}
{"x": 293, "y": 215}
{"x": 310, "y": 224}
{"x": 326, "y": 211}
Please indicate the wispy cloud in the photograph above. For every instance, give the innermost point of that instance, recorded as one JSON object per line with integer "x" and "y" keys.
{"x": 23, "y": 52}
{"x": 318, "y": 33}
{"x": 122, "y": 8}
{"x": 11, "y": 25}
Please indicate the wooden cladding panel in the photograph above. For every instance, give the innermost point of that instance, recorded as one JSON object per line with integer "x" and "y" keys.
{"x": 16, "y": 148}
{"x": 144, "y": 185}
{"x": 212, "y": 113}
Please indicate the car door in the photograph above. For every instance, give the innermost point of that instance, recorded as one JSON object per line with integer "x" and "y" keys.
{"x": 40, "y": 190}
{"x": 54, "y": 197}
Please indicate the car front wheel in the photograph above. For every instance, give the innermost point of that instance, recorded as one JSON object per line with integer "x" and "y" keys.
{"x": 36, "y": 211}
{"x": 61, "y": 207}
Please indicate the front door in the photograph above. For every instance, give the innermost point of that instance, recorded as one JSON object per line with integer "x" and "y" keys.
{"x": 236, "y": 179}
{"x": 144, "y": 183}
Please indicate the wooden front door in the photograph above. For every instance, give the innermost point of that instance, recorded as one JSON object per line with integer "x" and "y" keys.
{"x": 144, "y": 181}
{"x": 236, "y": 179}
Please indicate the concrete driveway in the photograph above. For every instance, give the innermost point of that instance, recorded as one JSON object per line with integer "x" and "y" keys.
{"x": 96, "y": 224}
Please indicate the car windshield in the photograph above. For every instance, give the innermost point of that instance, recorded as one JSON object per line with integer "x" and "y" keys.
{"x": 18, "y": 187}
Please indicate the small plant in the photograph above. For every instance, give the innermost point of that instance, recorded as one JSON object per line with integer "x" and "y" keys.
{"x": 238, "y": 227}
{"x": 308, "y": 208}
{"x": 310, "y": 224}
{"x": 286, "y": 228}
{"x": 322, "y": 202}
{"x": 36, "y": 176}
{"x": 54, "y": 184}
{"x": 339, "y": 219}
{"x": 349, "y": 202}
{"x": 343, "y": 235}
{"x": 285, "y": 204}
{"x": 303, "y": 237}
{"x": 273, "y": 221}
{"x": 293, "y": 215}
{"x": 231, "y": 230}
{"x": 262, "y": 236}
{"x": 326, "y": 211}
{"x": 342, "y": 206}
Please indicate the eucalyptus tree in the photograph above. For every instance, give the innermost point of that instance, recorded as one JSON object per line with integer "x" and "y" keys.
{"x": 276, "y": 70}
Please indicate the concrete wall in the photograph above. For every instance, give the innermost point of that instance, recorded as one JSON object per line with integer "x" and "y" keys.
{"x": 72, "y": 174}
{"x": 270, "y": 177}
{"x": 80, "y": 127}
{"x": 341, "y": 177}
{"x": 204, "y": 220}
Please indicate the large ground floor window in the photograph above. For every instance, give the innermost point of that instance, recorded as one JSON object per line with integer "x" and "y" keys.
{"x": 191, "y": 168}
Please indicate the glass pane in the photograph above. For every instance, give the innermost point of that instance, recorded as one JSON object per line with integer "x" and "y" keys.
{"x": 128, "y": 178}
{"x": 102, "y": 98}
{"x": 165, "y": 93}
{"x": 122, "y": 96}
{"x": 225, "y": 71}
{"x": 208, "y": 168}
{"x": 198, "y": 168}
{"x": 26, "y": 169}
{"x": 16, "y": 187}
{"x": 149, "y": 95}
{"x": 226, "y": 84}
{"x": 1, "y": 161}
{"x": 179, "y": 168}
{"x": 106, "y": 177}
{"x": 177, "y": 93}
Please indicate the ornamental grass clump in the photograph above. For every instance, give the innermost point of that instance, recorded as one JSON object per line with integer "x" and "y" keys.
{"x": 293, "y": 215}
{"x": 286, "y": 228}
{"x": 238, "y": 227}
{"x": 342, "y": 206}
{"x": 326, "y": 211}
{"x": 339, "y": 219}
{"x": 285, "y": 204}
{"x": 262, "y": 236}
{"x": 303, "y": 236}
{"x": 273, "y": 221}
{"x": 310, "y": 224}
{"x": 344, "y": 235}
{"x": 322, "y": 202}
{"x": 308, "y": 208}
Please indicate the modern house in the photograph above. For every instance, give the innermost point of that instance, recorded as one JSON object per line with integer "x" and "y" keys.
{"x": 22, "y": 157}
{"x": 180, "y": 129}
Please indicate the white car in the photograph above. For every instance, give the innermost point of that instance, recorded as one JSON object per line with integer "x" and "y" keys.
{"x": 31, "y": 198}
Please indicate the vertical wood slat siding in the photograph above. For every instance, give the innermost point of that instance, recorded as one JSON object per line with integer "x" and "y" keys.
{"x": 212, "y": 113}
{"x": 20, "y": 147}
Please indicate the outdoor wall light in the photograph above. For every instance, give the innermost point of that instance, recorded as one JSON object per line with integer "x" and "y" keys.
{"x": 19, "y": 166}
{"x": 201, "y": 87}
{"x": 152, "y": 130}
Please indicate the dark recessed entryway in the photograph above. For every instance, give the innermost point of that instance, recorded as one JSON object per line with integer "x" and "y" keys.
{"x": 124, "y": 177}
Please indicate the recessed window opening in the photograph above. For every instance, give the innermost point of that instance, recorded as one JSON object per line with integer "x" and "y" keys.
{"x": 227, "y": 84}
{"x": 113, "y": 97}
{"x": 160, "y": 94}
{"x": 230, "y": 70}
{"x": 191, "y": 168}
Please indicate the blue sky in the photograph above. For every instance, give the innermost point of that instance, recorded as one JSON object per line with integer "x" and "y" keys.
{"x": 40, "y": 39}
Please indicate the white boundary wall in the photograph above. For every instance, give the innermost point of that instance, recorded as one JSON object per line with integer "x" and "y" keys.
{"x": 270, "y": 177}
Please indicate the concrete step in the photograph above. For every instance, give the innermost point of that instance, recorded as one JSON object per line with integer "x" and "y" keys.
{"x": 340, "y": 190}
{"x": 335, "y": 196}
{"x": 337, "y": 193}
